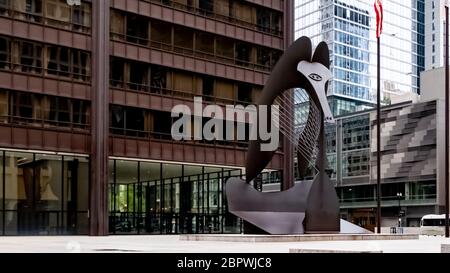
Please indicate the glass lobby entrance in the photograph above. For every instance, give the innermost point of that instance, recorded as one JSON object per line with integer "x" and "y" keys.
{"x": 43, "y": 194}
{"x": 162, "y": 198}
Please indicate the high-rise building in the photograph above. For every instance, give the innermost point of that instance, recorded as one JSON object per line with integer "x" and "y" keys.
{"x": 434, "y": 34}
{"x": 86, "y": 93}
{"x": 349, "y": 29}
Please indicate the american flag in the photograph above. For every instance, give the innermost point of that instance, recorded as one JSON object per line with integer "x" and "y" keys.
{"x": 379, "y": 12}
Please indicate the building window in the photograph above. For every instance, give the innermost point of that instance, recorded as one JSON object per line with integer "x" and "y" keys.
{"x": 58, "y": 61}
{"x": 4, "y": 53}
{"x": 187, "y": 41}
{"x": 60, "y": 111}
{"x": 225, "y": 48}
{"x": 158, "y": 79}
{"x": 117, "y": 72}
{"x": 30, "y": 57}
{"x": 268, "y": 21}
{"x": 243, "y": 54}
{"x": 162, "y": 124}
{"x": 58, "y": 12}
{"x": 204, "y": 43}
{"x": 29, "y": 9}
{"x": 245, "y": 93}
{"x": 130, "y": 121}
{"x": 5, "y": 7}
{"x": 117, "y": 120}
{"x": 135, "y": 121}
{"x": 54, "y": 12}
{"x": 183, "y": 39}
{"x": 137, "y": 29}
{"x": 242, "y": 12}
{"x": 138, "y": 76}
{"x": 117, "y": 24}
{"x": 22, "y": 107}
{"x": 80, "y": 64}
{"x": 81, "y": 17}
{"x": 35, "y": 199}
{"x": 161, "y": 35}
{"x": 80, "y": 113}
{"x": 67, "y": 62}
{"x": 206, "y": 7}
{"x": 208, "y": 88}
{"x": 263, "y": 56}
{"x": 41, "y": 110}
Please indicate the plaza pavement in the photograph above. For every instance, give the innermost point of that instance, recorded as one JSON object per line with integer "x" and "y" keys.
{"x": 170, "y": 244}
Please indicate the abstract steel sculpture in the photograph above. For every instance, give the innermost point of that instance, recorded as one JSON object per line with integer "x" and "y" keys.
{"x": 309, "y": 206}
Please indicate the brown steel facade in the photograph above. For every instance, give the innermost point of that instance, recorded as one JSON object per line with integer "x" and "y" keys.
{"x": 86, "y": 91}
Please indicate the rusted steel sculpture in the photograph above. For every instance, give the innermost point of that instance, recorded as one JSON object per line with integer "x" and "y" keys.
{"x": 309, "y": 206}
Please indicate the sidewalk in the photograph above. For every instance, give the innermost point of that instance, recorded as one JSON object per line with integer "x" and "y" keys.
{"x": 167, "y": 244}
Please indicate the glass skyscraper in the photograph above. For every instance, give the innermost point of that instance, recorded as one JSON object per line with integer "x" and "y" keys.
{"x": 349, "y": 29}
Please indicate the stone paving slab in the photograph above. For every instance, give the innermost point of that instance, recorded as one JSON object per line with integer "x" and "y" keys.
{"x": 296, "y": 238}
{"x": 305, "y": 250}
{"x": 173, "y": 244}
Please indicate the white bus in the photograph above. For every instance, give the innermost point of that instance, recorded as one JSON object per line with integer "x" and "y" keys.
{"x": 432, "y": 225}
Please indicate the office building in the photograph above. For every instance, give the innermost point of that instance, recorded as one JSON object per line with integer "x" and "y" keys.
{"x": 434, "y": 34}
{"x": 349, "y": 29}
{"x": 85, "y": 98}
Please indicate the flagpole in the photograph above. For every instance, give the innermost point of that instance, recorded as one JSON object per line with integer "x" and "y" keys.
{"x": 378, "y": 139}
{"x": 447, "y": 121}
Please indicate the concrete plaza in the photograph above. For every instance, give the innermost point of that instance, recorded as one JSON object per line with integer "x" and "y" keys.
{"x": 171, "y": 244}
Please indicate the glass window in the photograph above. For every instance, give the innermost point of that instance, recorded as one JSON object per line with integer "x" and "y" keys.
{"x": 22, "y": 106}
{"x": 137, "y": 29}
{"x": 245, "y": 93}
{"x": 58, "y": 11}
{"x": 162, "y": 124}
{"x": 28, "y": 10}
{"x": 117, "y": 119}
{"x": 263, "y": 18}
{"x": 5, "y": 5}
{"x": 161, "y": 34}
{"x": 138, "y": 75}
{"x": 117, "y": 72}
{"x": 243, "y": 54}
{"x": 263, "y": 56}
{"x": 134, "y": 120}
{"x": 117, "y": 24}
{"x": 58, "y": 61}
{"x": 60, "y": 111}
{"x": 204, "y": 42}
{"x": 4, "y": 53}
{"x": 208, "y": 87}
{"x": 76, "y": 194}
{"x": 183, "y": 39}
{"x": 81, "y": 17}
{"x": 158, "y": 79}
{"x": 80, "y": 64}
{"x": 225, "y": 47}
{"x": 30, "y": 58}
{"x": 48, "y": 198}
{"x": 19, "y": 196}
{"x": 80, "y": 114}
{"x": 206, "y": 7}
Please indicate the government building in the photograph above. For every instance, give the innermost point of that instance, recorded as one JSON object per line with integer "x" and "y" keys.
{"x": 86, "y": 92}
